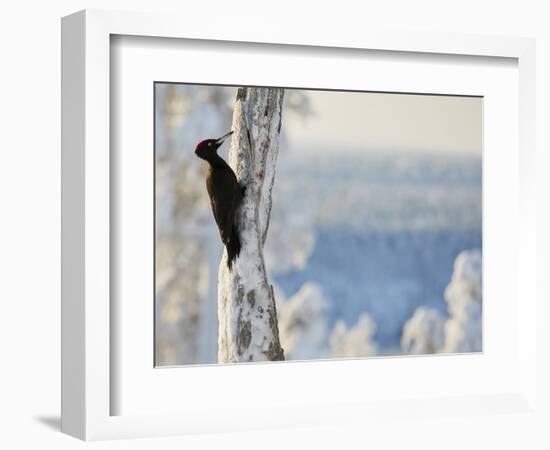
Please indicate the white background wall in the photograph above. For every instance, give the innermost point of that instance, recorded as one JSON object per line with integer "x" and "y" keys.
{"x": 30, "y": 197}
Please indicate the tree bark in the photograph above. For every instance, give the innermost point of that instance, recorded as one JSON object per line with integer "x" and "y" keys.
{"x": 248, "y": 327}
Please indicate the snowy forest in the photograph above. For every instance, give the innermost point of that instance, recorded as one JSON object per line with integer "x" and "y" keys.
{"x": 374, "y": 247}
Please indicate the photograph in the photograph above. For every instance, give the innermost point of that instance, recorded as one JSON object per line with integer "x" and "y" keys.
{"x": 307, "y": 224}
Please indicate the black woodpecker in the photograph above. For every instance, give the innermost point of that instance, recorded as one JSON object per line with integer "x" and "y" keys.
{"x": 225, "y": 194}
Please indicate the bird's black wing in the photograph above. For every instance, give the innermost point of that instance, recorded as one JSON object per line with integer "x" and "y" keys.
{"x": 225, "y": 195}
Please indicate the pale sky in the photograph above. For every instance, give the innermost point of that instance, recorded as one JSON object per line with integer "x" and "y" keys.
{"x": 389, "y": 122}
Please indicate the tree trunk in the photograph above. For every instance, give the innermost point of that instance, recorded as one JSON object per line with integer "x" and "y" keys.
{"x": 248, "y": 328}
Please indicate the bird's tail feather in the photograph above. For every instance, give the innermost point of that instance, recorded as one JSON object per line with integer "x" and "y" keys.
{"x": 233, "y": 247}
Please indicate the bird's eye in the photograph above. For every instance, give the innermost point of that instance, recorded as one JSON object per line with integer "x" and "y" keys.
{"x": 210, "y": 144}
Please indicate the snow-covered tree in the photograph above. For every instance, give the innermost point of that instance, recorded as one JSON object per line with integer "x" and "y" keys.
{"x": 305, "y": 333}
{"x": 247, "y": 314}
{"x": 302, "y": 323}
{"x": 186, "y": 259}
{"x": 423, "y": 332}
{"x": 463, "y": 329}
{"x": 356, "y": 341}
{"x": 427, "y": 332}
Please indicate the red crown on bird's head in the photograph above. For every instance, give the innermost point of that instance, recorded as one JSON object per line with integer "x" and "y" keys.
{"x": 201, "y": 143}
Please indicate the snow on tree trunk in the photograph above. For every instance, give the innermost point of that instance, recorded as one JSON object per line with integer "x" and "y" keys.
{"x": 248, "y": 327}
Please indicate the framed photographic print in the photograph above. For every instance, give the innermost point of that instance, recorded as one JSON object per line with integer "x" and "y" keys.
{"x": 373, "y": 224}
{"x": 245, "y": 244}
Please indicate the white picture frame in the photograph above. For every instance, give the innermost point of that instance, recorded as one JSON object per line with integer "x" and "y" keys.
{"x": 87, "y": 327}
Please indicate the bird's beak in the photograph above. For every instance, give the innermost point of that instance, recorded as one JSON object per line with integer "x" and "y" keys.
{"x": 221, "y": 140}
